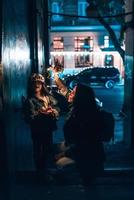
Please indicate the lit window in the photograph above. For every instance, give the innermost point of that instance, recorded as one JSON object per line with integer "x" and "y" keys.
{"x": 109, "y": 60}
{"x": 82, "y": 5}
{"x": 56, "y": 9}
{"x": 106, "y": 41}
{"x": 58, "y": 44}
{"x": 58, "y": 60}
{"x": 83, "y": 43}
{"x": 83, "y": 61}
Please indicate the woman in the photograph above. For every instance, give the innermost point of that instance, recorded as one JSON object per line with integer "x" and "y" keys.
{"x": 82, "y": 131}
{"x": 42, "y": 114}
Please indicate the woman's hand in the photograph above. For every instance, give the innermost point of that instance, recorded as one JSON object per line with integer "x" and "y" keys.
{"x": 55, "y": 112}
{"x": 72, "y": 95}
{"x": 47, "y": 111}
{"x": 59, "y": 155}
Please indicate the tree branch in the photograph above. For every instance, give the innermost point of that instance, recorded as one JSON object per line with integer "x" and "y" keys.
{"x": 113, "y": 37}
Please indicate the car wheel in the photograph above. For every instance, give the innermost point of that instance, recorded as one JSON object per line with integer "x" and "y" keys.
{"x": 109, "y": 84}
{"x": 72, "y": 84}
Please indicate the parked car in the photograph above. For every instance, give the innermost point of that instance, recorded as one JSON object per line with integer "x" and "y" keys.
{"x": 108, "y": 76}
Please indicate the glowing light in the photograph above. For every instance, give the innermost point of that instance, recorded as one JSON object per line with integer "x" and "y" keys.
{"x": 22, "y": 54}
{"x": 72, "y": 53}
{"x": 19, "y": 54}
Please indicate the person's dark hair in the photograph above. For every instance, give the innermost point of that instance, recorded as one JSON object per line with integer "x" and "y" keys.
{"x": 84, "y": 99}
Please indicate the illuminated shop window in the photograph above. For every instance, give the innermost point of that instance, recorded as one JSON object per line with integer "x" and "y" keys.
{"x": 83, "y": 44}
{"x": 106, "y": 41}
{"x": 58, "y": 44}
{"x": 83, "y": 60}
{"x": 58, "y": 60}
{"x": 56, "y": 8}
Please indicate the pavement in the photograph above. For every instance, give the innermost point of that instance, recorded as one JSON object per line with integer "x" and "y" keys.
{"x": 117, "y": 182}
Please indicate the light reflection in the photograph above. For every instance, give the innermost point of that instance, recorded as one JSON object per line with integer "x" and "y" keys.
{"x": 22, "y": 54}
{"x": 18, "y": 54}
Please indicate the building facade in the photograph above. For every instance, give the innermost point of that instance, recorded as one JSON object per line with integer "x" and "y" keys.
{"x": 77, "y": 42}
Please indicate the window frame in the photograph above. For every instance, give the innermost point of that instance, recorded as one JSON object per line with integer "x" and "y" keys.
{"x": 60, "y": 42}
{"x": 106, "y": 41}
{"x": 82, "y": 9}
{"x": 56, "y": 9}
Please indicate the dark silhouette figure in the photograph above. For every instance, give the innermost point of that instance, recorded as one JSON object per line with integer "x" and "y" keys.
{"x": 82, "y": 131}
{"x": 41, "y": 113}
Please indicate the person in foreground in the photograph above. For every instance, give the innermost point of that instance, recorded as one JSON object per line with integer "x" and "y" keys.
{"x": 82, "y": 131}
{"x": 42, "y": 113}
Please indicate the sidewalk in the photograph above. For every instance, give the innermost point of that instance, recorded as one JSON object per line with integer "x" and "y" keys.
{"x": 117, "y": 182}
{"x": 117, "y": 153}
{"x": 119, "y": 158}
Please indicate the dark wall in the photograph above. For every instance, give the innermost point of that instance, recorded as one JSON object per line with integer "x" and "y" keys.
{"x": 22, "y": 54}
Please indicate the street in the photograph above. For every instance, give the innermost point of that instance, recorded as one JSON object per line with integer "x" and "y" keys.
{"x": 112, "y": 98}
{"x": 112, "y": 101}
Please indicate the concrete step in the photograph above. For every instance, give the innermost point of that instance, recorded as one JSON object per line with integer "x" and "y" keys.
{"x": 69, "y": 177}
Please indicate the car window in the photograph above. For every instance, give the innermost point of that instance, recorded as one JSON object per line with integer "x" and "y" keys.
{"x": 97, "y": 72}
{"x": 110, "y": 72}
{"x": 88, "y": 71}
